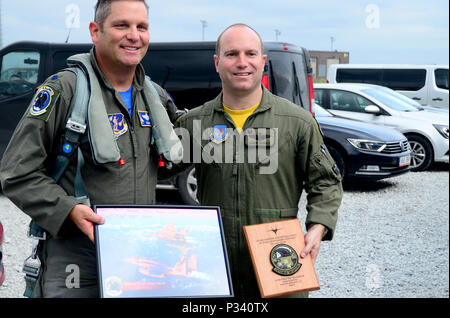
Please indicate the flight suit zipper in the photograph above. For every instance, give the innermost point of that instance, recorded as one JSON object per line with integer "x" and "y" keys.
{"x": 135, "y": 152}
{"x": 131, "y": 124}
{"x": 236, "y": 175}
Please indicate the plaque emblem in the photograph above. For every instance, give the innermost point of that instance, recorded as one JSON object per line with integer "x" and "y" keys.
{"x": 285, "y": 260}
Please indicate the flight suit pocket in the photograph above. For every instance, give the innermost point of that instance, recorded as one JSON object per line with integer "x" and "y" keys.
{"x": 272, "y": 215}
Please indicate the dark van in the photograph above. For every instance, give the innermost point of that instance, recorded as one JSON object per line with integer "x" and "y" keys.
{"x": 185, "y": 69}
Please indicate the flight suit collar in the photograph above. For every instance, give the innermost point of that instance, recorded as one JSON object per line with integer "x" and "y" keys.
{"x": 266, "y": 102}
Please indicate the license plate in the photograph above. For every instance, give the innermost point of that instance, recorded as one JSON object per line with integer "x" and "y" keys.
{"x": 404, "y": 161}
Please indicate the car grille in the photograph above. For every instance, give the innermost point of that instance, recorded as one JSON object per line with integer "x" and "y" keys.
{"x": 396, "y": 147}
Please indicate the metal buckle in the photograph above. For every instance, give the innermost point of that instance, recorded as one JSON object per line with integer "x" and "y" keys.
{"x": 76, "y": 127}
{"x": 31, "y": 266}
{"x": 32, "y": 263}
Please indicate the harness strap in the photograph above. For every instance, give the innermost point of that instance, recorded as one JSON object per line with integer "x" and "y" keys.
{"x": 75, "y": 128}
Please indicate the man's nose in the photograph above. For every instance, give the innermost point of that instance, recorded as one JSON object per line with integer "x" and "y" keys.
{"x": 133, "y": 34}
{"x": 242, "y": 60}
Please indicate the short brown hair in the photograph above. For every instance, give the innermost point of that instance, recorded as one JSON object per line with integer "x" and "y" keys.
{"x": 237, "y": 25}
{"x": 103, "y": 10}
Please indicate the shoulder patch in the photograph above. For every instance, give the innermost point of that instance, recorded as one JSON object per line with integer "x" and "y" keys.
{"x": 43, "y": 102}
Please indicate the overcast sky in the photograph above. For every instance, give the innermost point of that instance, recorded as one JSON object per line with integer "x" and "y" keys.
{"x": 373, "y": 31}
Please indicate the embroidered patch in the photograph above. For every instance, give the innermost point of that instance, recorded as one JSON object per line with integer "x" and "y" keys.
{"x": 118, "y": 124}
{"x": 219, "y": 133}
{"x": 43, "y": 102}
{"x": 144, "y": 118}
{"x": 67, "y": 148}
{"x": 284, "y": 260}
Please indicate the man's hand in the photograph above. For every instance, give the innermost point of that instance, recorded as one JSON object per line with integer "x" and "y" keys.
{"x": 84, "y": 217}
{"x": 312, "y": 241}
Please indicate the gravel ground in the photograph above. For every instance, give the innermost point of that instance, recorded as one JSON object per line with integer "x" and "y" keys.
{"x": 392, "y": 240}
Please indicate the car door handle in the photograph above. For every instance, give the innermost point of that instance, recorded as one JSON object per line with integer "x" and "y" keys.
{"x": 438, "y": 99}
{"x": 416, "y": 98}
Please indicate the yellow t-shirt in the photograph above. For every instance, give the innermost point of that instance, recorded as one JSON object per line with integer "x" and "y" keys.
{"x": 240, "y": 116}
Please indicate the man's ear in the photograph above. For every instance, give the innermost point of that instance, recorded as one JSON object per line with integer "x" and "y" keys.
{"x": 264, "y": 57}
{"x": 216, "y": 62}
{"x": 94, "y": 30}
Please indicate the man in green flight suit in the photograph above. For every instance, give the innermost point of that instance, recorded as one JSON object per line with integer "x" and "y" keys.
{"x": 254, "y": 153}
{"x": 120, "y": 34}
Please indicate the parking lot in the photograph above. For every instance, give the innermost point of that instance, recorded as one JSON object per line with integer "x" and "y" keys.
{"x": 391, "y": 240}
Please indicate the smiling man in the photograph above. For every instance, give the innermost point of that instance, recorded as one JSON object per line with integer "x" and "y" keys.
{"x": 233, "y": 175}
{"x": 120, "y": 101}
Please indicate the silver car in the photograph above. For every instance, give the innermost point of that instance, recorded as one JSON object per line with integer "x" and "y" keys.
{"x": 427, "y": 131}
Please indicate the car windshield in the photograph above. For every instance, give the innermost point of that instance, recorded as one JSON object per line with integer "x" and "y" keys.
{"x": 321, "y": 112}
{"x": 389, "y": 100}
{"x": 404, "y": 98}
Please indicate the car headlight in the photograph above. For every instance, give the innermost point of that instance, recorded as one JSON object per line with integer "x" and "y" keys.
{"x": 367, "y": 145}
{"x": 443, "y": 130}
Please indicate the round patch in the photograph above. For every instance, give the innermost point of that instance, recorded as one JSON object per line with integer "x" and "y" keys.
{"x": 285, "y": 260}
{"x": 42, "y": 100}
{"x": 67, "y": 148}
{"x": 113, "y": 286}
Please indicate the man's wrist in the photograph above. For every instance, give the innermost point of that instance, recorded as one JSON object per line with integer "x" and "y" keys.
{"x": 325, "y": 231}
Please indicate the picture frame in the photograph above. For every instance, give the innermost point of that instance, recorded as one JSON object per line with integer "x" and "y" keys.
{"x": 161, "y": 251}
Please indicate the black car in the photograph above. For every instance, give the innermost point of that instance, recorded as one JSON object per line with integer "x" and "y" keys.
{"x": 363, "y": 151}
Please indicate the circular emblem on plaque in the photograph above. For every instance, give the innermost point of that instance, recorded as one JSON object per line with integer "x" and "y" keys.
{"x": 285, "y": 260}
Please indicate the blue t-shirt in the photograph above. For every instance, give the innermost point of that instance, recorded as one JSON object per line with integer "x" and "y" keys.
{"x": 127, "y": 99}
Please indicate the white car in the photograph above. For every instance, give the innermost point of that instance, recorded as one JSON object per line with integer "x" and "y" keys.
{"x": 427, "y": 131}
{"x": 409, "y": 101}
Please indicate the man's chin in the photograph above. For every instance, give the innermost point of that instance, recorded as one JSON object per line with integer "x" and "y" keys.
{"x": 131, "y": 62}
{"x": 245, "y": 88}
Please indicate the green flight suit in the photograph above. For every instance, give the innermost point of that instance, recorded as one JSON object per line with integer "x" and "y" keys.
{"x": 248, "y": 195}
{"x": 28, "y": 161}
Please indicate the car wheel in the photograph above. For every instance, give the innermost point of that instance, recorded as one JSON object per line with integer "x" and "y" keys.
{"x": 421, "y": 153}
{"x": 338, "y": 159}
{"x": 187, "y": 186}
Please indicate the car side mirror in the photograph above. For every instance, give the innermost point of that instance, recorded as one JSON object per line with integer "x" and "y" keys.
{"x": 372, "y": 109}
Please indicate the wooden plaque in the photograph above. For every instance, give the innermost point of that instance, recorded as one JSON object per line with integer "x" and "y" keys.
{"x": 275, "y": 249}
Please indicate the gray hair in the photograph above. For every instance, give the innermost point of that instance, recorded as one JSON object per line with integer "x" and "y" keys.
{"x": 238, "y": 25}
{"x": 103, "y": 10}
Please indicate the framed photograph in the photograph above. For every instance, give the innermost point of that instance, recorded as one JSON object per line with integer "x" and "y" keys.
{"x": 162, "y": 251}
